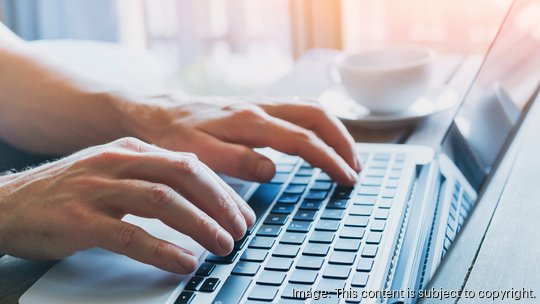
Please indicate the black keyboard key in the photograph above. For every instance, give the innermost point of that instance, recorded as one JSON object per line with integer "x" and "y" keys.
{"x": 310, "y": 262}
{"x": 228, "y": 259}
{"x": 263, "y": 293}
{"x": 186, "y": 297}
{"x": 321, "y": 186}
{"x": 194, "y": 283}
{"x": 278, "y": 264}
{"x": 316, "y": 195}
{"x": 300, "y": 180}
{"x": 299, "y": 226}
{"x": 327, "y": 225}
{"x": 352, "y": 232}
{"x": 282, "y": 209}
{"x": 275, "y": 219}
{"x": 289, "y": 198}
{"x": 305, "y": 215}
{"x": 342, "y": 258}
{"x": 342, "y": 192}
{"x": 337, "y": 204}
{"x": 295, "y": 189}
{"x": 286, "y": 251}
{"x": 332, "y": 214}
{"x": 269, "y": 277}
{"x": 241, "y": 243}
{"x": 370, "y": 251}
{"x": 302, "y": 276}
{"x": 279, "y": 178}
{"x": 374, "y": 237}
{"x": 254, "y": 255}
{"x": 209, "y": 285}
{"x": 357, "y": 221}
{"x": 336, "y": 272}
{"x": 315, "y": 249}
{"x": 261, "y": 242}
{"x": 245, "y": 268}
{"x": 262, "y": 198}
{"x": 324, "y": 237}
{"x": 361, "y": 210}
{"x": 360, "y": 279}
{"x": 205, "y": 269}
{"x": 311, "y": 205}
{"x": 293, "y": 238}
{"x": 364, "y": 264}
{"x": 270, "y": 231}
{"x": 232, "y": 290}
{"x": 347, "y": 245}
{"x": 331, "y": 285}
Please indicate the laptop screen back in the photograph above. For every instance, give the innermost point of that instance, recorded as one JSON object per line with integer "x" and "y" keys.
{"x": 507, "y": 82}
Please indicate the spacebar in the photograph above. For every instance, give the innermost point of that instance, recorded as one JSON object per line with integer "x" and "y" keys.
{"x": 232, "y": 290}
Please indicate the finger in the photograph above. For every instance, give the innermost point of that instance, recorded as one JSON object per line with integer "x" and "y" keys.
{"x": 196, "y": 182}
{"x": 326, "y": 126}
{"x": 158, "y": 201}
{"x": 132, "y": 241}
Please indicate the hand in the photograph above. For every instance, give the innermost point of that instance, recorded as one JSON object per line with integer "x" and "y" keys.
{"x": 76, "y": 203}
{"x": 223, "y": 136}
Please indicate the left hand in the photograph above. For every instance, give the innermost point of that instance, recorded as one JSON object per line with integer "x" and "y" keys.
{"x": 223, "y": 136}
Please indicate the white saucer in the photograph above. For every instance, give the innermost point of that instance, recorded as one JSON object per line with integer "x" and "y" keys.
{"x": 435, "y": 100}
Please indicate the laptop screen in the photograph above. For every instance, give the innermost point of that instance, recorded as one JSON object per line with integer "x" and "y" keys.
{"x": 507, "y": 82}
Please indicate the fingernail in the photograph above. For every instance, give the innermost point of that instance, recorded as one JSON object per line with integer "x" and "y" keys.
{"x": 352, "y": 175}
{"x": 250, "y": 214}
{"x": 358, "y": 165}
{"x": 265, "y": 169}
{"x": 239, "y": 226}
{"x": 188, "y": 267}
{"x": 225, "y": 240}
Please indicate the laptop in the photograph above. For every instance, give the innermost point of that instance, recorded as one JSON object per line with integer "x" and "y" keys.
{"x": 318, "y": 242}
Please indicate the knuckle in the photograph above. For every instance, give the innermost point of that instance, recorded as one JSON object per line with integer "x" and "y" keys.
{"x": 106, "y": 154}
{"x": 188, "y": 165}
{"x": 127, "y": 236}
{"x": 203, "y": 222}
{"x": 305, "y": 135}
{"x": 130, "y": 143}
{"x": 159, "y": 249}
{"x": 161, "y": 195}
{"x": 249, "y": 112}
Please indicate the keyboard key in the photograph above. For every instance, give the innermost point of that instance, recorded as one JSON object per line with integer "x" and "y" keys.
{"x": 321, "y": 186}
{"x": 327, "y": 225}
{"x": 305, "y": 215}
{"x": 342, "y": 258}
{"x": 323, "y": 177}
{"x": 246, "y": 268}
{"x": 382, "y": 156}
{"x": 299, "y": 226}
{"x": 282, "y": 209}
{"x": 372, "y": 181}
{"x": 337, "y": 204}
{"x": 269, "y": 277}
{"x": 364, "y": 264}
{"x": 316, "y": 195}
{"x": 293, "y": 238}
{"x": 295, "y": 291}
{"x": 375, "y": 173}
{"x": 352, "y": 232}
{"x": 364, "y": 200}
{"x": 336, "y": 272}
{"x": 254, "y": 255}
{"x": 357, "y": 221}
{"x": 305, "y": 171}
{"x": 360, "y": 279}
{"x": 331, "y": 285}
{"x": 389, "y": 193}
{"x": 205, "y": 269}
{"x": 370, "y": 251}
{"x": 310, "y": 262}
{"x": 342, "y": 192}
{"x": 186, "y": 297}
{"x": 275, "y": 219}
{"x": 347, "y": 245}
{"x": 302, "y": 276}
{"x": 261, "y": 242}
{"x": 316, "y": 249}
{"x": 267, "y": 230}
{"x": 228, "y": 259}
{"x": 300, "y": 180}
{"x": 263, "y": 198}
{"x": 289, "y": 198}
{"x": 392, "y": 183}
{"x": 378, "y": 225}
{"x": 232, "y": 290}
{"x": 385, "y": 203}
{"x": 209, "y": 285}
{"x": 311, "y": 205}
{"x": 278, "y": 264}
{"x": 324, "y": 237}
{"x": 284, "y": 168}
{"x": 241, "y": 243}
{"x": 279, "y": 178}
{"x": 332, "y": 214}
{"x": 286, "y": 159}
{"x": 286, "y": 251}
{"x": 361, "y": 210}
{"x": 369, "y": 190}
{"x": 374, "y": 237}
{"x": 295, "y": 189}
{"x": 263, "y": 293}
{"x": 194, "y": 283}
{"x": 394, "y": 174}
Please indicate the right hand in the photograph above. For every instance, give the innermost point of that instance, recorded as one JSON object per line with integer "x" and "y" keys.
{"x": 77, "y": 203}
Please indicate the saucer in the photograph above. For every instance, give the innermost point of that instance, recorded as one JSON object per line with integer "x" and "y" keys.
{"x": 435, "y": 100}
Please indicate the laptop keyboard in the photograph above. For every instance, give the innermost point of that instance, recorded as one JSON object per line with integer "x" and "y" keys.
{"x": 317, "y": 235}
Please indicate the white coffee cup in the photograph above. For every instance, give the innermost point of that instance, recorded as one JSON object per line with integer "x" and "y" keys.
{"x": 387, "y": 79}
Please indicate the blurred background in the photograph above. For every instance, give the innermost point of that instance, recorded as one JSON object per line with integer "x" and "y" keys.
{"x": 235, "y": 47}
